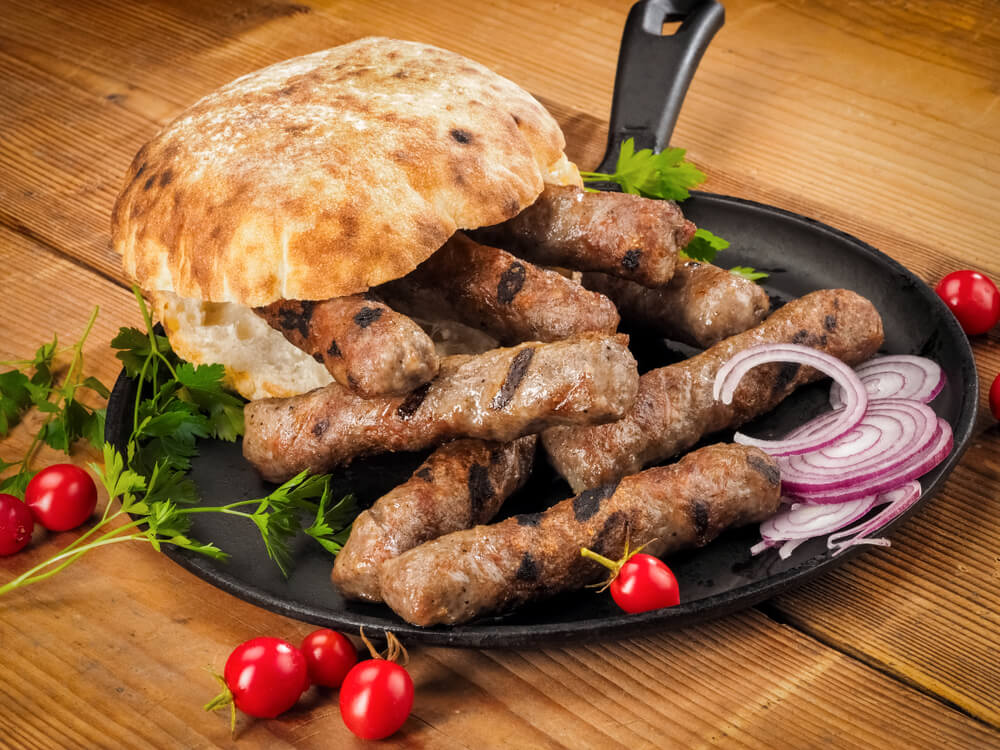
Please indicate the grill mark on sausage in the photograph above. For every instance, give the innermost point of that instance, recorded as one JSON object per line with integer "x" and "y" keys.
{"x": 333, "y": 350}
{"x": 318, "y": 357}
{"x": 320, "y": 427}
{"x": 588, "y": 502}
{"x": 297, "y": 317}
{"x": 770, "y": 472}
{"x": 699, "y": 518}
{"x": 786, "y": 374}
{"x": 367, "y": 315}
{"x": 528, "y": 519}
{"x": 830, "y": 323}
{"x": 480, "y": 490}
{"x": 518, "y": 368}
{"x": 615, "y": 527}
{"x": 630, "y": 260}
{"x": 425, "y": 474}
{"x": 528, "y": 569}
{"x": 511, "y": 282}
{"x": 412, "y": 402}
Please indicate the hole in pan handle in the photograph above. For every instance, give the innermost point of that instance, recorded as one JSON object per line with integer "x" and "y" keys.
{"x": 654, "y": 71}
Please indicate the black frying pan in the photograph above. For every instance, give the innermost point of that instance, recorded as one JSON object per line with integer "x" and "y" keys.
{"x": 802, "y": 255}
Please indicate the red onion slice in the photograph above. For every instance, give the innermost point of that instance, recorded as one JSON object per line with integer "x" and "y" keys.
{"x": 916, "y": 467}
{"x": 730, "y": 374}
{"x": 899, "y": 499}
{"x": 896, "y": 376}
{"x": 891, "y": 433}
{"x": 804, "y": 521}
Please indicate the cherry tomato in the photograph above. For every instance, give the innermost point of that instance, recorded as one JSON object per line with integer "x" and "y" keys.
{"x": 644, "y": 583}
{"x": 329, "y": 657}
{"x": 995, "y": 397}
{"x": 16, "y": 525}
{"x": 266, "y": 676}
{"x": 973, "y": 298}
{"x": 61, "y": 496}
{"x": 375, "y": 698}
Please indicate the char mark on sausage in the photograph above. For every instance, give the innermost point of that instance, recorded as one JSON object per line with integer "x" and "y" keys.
{"x": 364, "y": 344}
{"x": 615, "y": 233}
{"x": 500, "y": 395}
{"x": 674, "y": 408}
{"x": 488, "y": 569}
{"x": 701, "y": 305}
{"x": 461, "y": 484}
{"x": 510, "y": 299}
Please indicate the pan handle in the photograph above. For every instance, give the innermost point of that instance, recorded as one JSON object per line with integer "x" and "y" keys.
{"x": 654, "y": 71}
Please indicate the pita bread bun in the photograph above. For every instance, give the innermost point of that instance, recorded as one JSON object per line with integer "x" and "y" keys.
{"x": 327, "y": 174}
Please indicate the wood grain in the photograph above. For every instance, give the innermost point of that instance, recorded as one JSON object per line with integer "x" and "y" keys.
{"x": 880, "y": 118}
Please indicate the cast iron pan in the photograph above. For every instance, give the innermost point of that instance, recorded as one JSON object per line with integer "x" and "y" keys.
{"x": 801, "y": 255}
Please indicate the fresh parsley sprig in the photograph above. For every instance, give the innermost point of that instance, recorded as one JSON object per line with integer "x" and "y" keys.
{"x": 176, "y": 404}
{"x": 34, "y": 383}
{"x": 667, "y": 175}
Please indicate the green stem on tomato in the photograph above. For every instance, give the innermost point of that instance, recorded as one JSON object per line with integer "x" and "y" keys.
{"x": 606, "y": 562}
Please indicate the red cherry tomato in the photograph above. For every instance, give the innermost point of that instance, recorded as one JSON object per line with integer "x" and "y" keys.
{"x": 973, "y": 298}
{"x": 375, "y": 698}
{"x": 61, "y": 496}
{"x": 16, "y": 525}
{"x": 266, "y": 676}
{"x": 995, "y": 397}
{"x": 329, "y": 657}
{"x": 644, "y": 583}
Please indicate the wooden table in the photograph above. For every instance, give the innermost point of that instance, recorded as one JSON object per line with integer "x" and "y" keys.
{"x": 879, "y": 118}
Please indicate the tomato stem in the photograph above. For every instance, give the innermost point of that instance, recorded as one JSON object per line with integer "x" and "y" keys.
{"x": 224, "y": 698}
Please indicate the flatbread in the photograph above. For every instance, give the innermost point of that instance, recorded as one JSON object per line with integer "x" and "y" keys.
{"x": 327, "y": 174}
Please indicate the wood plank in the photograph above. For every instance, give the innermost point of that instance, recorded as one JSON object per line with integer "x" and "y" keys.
{"x": 906, "y": 159}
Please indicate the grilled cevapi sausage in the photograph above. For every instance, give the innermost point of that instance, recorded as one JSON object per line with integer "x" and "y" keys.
{"x": 618, "y": 233}
{"x": 510, "y": 299}
{"x": 701, "y": 305}
{"x": 367, "y": 347}
{"x": 463, "y": 483}
{"x": 675, "y": 409}
{"x": 500, "y": 395}
{"x": 487, "y": 569}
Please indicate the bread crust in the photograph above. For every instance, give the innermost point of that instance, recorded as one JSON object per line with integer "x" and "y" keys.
{"x": 327, "y": 174}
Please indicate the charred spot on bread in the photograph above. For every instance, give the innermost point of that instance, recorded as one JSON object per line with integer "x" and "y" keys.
{"x": 462, "y": 136}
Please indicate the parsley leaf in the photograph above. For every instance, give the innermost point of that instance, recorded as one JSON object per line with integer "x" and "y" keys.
{"x": 664, "y": 175}
{"x": 703, "y": 246}
{"x": 332, "y": 525}
{"x": 748, "y": 273}
{"x": 135, "y": 350}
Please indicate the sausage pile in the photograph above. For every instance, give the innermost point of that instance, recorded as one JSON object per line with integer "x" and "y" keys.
{"x": 428, "y": 548}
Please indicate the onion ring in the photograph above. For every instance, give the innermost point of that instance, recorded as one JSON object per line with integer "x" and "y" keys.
{"x": 856, "y": 398}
